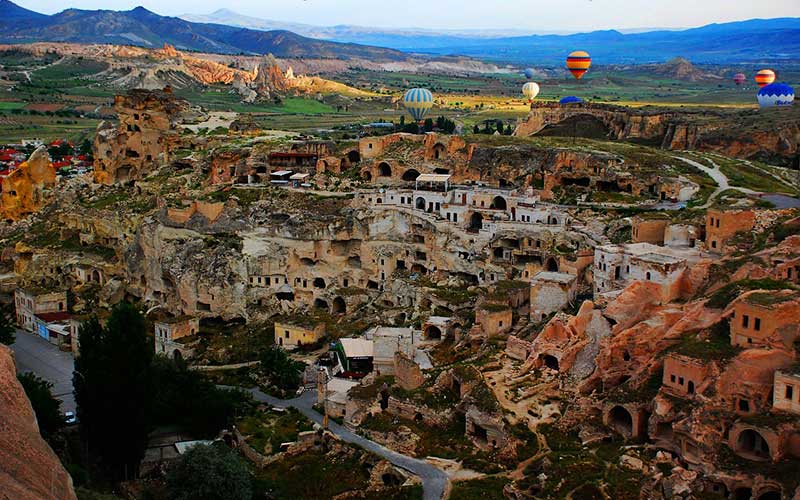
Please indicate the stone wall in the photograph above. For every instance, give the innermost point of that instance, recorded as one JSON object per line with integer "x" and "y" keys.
{"x": 407, "y": 372}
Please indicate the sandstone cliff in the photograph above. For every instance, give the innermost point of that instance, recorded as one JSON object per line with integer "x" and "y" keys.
{"x": 29, "y": 470}
{"x": 24, "y": 189}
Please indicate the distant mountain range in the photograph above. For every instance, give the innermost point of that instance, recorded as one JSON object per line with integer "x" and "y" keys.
{"x": 744, "y": 41}
{"x": 225, "y": 31}
{"x": 147, "y": 29}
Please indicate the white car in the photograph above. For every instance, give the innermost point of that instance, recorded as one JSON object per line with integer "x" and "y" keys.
{"x": 70, "y": 418}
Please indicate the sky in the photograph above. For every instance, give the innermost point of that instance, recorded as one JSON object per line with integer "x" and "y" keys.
{"x": 533, "y": 15}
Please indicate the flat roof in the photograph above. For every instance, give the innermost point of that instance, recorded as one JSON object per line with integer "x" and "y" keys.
{"x": 282, "y": 172}
{"x": 390, "y": 331}
{"x": 563, "y": 278}
{"x": 357, "y": 348}
{"x": 298, "y": 176}
{"x": 657, "y": 258}
{"x": 433, "y": 177}
{"x": 439, "y": 320}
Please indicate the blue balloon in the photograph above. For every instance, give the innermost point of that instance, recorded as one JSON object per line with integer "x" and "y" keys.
{"x": 775, "y": 94}
{"x": 529, "y": 73}
{"x": 570, "y": 99}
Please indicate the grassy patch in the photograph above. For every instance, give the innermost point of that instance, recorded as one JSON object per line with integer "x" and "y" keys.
{"x": 716, "y": 345}
{"x": 268, "y": 429}
{"x": 487, "y": 488}
{"x": 728, "y": 293}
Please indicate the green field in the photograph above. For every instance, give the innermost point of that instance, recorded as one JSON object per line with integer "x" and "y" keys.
{"x": 7, "y": 105}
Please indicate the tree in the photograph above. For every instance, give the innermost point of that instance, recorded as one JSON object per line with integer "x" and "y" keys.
{"x": 428, "y": 125}
{"x": 280, "y": 369}
{"x": 45, "y": 406}
{"x": 476, "y": 129}
{"x": 210, "y": 472}
{"x": 112, "y": 388}
{"x": 7, "y": 329}
{"x": 500, "y": 127}
{"x": 402, "y": 120}
{"x": 186, "y": 398}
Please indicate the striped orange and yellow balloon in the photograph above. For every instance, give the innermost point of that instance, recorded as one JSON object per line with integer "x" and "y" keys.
{"x": 765, "y": 77}
{"x": 578, "y": 63}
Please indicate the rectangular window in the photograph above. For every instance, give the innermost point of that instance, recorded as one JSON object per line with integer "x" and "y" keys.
{"x": 745, "y": 321}
{"x": 680, "y": 380}
{"x": 286, "y": 333}
{"x": 672, "y": 378}
{"x": 757, "y": 324}
{"x": 789, "y": 392}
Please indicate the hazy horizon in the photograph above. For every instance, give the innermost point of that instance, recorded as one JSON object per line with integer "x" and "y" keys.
{"x": 452, "y": 15}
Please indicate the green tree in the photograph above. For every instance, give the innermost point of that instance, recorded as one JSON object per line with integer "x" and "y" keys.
{"x": 210, "y": 472}
{"x": 476, "y": 129}
{"x": 428, "y": 125}
{"x": 186, "y": 398}
{"x": 6, "y": 326}
{"x": 402, "y": 121}
{"x": 45, "y": 406}
{"x": 112, "y": 388}
{"x": 280, "y": 369}
{"x": 500, "y": 127}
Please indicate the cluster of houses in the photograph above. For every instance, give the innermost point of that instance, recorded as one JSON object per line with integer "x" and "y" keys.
{"x": 13, "y": 155}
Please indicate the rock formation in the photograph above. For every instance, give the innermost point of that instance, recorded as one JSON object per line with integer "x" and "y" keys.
{"x": 25, "y": 189}
{"x": 29, "y": 470}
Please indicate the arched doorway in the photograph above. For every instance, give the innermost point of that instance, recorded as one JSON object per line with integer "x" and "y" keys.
{"x": 410, "y": 175}
{"x": 321, "y": 304}
{"x": 550, "y": 361}
{"x": 476, "y": 221}
{"x": 769, "y": 495}
{"x": 420, "y": 203}
{"x": 752, "y": 445}
{"x": 319, "y": 283}
{"x": 499, "y": 203}
{"x": 433, "y": 332}
{"x": 621, "y": 421}
{"x": 438, "y": 151}
{"x": 552, "y": 265}
{"x": 384, "y": 169}
{"x": 366, "y": 175}
{"x": 354, "y": 156}
{"x": 339, "y": 306}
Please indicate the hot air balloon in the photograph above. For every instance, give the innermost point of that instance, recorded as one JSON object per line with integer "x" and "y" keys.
{"x": 775, "y": 94}
{"x": 417, "y": 102}
{"x": 571, "y": 99}
{"x": 765, "y": 77}
{"x": 739, "y": 78}
{"x": 578, "y": 63}
{"x": 529, "y": 73}
{"x": 530, "y": 90}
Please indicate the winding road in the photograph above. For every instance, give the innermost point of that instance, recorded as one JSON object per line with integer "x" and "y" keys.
{"x": 435, "y": 483}
{"x": 718, "y": 177}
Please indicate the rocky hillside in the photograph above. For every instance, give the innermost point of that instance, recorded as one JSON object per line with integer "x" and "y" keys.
{"x": 29, "y": 470}
{"x": 146, "y": 29}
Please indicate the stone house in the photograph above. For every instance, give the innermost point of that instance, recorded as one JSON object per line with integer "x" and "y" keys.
{"x": 722, "y": 224}
{"x": 389, "y": 341}
{"x": 494, "y": 319}
{"x": 786, "y": 395}
{"x": 169, "y": 330}
{"x": 486, "y": 430}
{"x": 684, "y": 376}
{"x": 32, "y": 302}
{"x": 648, "y": 230}
{"x": 407, "y": 372}
{"x": 616, "y": 266}
{"x": 551, "y": 292}
{"x": 291, "y": 335}
{"x": 765, "y": 318}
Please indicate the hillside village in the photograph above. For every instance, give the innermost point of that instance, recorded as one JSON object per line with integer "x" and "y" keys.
{"x": 549, "y": 315}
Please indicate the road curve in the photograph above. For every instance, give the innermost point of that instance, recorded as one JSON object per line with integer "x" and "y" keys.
{"x": 434, "y": 480}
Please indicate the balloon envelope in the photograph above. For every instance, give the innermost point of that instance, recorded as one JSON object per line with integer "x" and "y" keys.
{"x": 530, "y": 90}
{"x": 529, "y": 73}
{"x": 739, "y": 78}
{"x": 570, "y": 99}
{"x": 775, "y": 94}
{"x": 578, "y": 63}
{"x": 417, "y": 102}
{"x": 765, "y": 77}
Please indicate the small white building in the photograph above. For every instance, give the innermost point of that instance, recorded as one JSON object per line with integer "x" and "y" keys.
{"x": 551, "y": 292}
{"x": 386, "y": 342}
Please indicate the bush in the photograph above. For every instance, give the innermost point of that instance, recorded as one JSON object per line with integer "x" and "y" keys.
{"x": 209, "y": 472}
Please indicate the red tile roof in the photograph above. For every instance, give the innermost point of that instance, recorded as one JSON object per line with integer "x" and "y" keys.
{"x": 53, "y": 316}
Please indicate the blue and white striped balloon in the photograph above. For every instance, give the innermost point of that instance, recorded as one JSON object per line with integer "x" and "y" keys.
{"x": 417, "y": 102}
{"x": 775, "y": 94}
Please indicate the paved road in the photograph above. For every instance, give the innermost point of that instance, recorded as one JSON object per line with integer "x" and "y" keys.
{"x": 434, "y": 481}
{"x": 34, "y": 354}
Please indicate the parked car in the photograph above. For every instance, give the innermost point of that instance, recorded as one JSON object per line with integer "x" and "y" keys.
{"x": 70, "y": 418}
